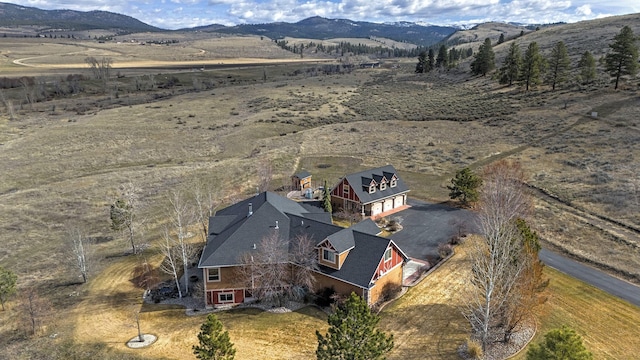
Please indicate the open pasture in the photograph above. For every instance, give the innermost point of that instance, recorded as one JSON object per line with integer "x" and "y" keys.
{"x": 63, "y": 160}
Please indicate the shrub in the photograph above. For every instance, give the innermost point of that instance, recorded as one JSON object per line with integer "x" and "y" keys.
{"x": 391, "y": 291}
{"x": 325, "y": 297}
{"x": 444, "y": 250}
{"x": 474, "y": 349}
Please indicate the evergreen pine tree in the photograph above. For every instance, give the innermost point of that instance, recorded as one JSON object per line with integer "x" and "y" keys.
{"x": 501, "y": 39}
{"x": 485, "y": 59}
{"x": 563, "y": 343}
{"x": 587, "y": 67}
{"x": 443, "y": 57}
{"x": 7, "y": 284}
{"x": 623, "y": 57}
{"x": 533, "y": 66}
{"x": 423, "y": 65}
{"x": 352, "y": 334}
{"x": 326, "y": 198}
{"x": 511, "y": 65}
{"x": 214, "y": 342}
{"x": 464, "y": 186}
{"x": 432, "y": 59}
{"x": 558, "y": 65}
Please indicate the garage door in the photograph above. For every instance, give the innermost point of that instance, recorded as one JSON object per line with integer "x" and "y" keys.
{"x": 388, "y": 205}
{"x": 376, "y": 209}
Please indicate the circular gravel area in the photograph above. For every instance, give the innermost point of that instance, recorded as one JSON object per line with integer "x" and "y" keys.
{"x": 148, "y": 339}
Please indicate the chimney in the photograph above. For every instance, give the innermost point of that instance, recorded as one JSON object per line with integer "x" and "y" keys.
{"x": 254, "y": 247}
{"x": 301, "y": 222}
{"x": 277, "y": 227}
{"x": 250, "y": 210}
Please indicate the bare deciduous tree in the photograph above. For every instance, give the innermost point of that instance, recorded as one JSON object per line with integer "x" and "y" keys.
{"x": 101, "y": 69}
{"x": 181, "y": 215}
{"x": 497, "y": 258}
{"x": 528, "y": 293}
{"x": 172, "y": 258}
{"x": 265, "y": 175}
{"x": 80, "y": 251}
{"x": 266, "y": 271}
{"x": 304, "y": 257}
{"x": 125, "y": 213}
{"x": 206, "y": 201}
{"x": 33, "y": 308}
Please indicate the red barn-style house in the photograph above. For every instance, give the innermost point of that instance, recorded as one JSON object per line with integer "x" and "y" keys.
{"x": 353, "y": 259}
{"x": 370, "y": 192}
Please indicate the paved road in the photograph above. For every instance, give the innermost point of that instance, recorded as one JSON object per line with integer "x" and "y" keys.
{"x": 592, "y": 276}
{"x": 426, "y": 225}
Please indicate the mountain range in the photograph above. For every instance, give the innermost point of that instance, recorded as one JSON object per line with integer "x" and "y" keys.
{"x": 12, "y": 15}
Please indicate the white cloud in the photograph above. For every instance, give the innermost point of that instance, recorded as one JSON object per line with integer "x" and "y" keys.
{"x": 184, "y": 13}
{"x": 584, "y": 10}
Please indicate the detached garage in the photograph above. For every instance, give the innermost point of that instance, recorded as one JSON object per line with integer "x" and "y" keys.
{"x": 370, "y": 192}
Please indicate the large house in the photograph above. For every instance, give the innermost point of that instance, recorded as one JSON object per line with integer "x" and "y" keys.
{"x": 354, "y": 259}
{"x": 370, "y": 192}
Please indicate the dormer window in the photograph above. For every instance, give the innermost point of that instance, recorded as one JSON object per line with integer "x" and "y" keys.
{"x": 383, "y": 186}
{"x": 393, "y": 183}
{"x": 328, "y": 255}
{"x": 372, "y": 189}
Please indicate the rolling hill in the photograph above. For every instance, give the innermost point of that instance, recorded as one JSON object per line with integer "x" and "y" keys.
{"x": 323, "y": 28}
{"x": 70, "y": 20}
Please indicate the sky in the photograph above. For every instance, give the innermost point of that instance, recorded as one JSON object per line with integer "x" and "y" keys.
{"x": 175, "y": 14}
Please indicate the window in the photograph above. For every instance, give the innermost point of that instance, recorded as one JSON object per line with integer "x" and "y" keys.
{"x": 225, "y": 297}
{"x": 345, "y": 190}
{"x": 393, "y": 183}
{"x": 328, "y": 255}
{"x": 214, "y": 274}
{"x": 387, "y": 254}
{"x": 383, "y": 186}
{"x": 372, "y": 189}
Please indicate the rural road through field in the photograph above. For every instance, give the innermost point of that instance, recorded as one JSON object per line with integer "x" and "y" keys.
{"x": 614, "y": 286}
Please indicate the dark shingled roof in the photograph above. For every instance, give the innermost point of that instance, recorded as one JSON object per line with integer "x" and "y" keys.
{"x": 362, "y": 262}
{"x": 360, "y": 184}
{"x": 302, "y": 174}
{"x": 233, "y": 232}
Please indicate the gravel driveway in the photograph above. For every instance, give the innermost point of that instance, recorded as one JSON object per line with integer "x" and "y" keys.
{"x": 426, "y": 225}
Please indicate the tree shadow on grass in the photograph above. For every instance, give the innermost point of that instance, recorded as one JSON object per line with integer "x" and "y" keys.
{"x": 433, "y": 331}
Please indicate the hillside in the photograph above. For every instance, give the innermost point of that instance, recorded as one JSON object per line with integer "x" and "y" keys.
{"x": 69, "y": 20}
{"x": 478, "y": 33}
{"x": 322, "y": 28}
{"x": 165, "y": 122}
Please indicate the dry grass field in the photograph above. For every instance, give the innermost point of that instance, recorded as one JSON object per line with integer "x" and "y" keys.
{"x": 63, "y": 160}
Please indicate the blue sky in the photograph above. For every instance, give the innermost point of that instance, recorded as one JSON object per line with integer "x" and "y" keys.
{"x": 173, "y": 14}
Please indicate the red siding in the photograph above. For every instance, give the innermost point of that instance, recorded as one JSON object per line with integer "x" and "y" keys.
{"x": 396, "y": 259}
{"x": 338, "y": 191}
{"x": 212, "y": 296}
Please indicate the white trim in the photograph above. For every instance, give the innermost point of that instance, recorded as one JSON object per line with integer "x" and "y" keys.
{"x": 233, "y": 297}
{"x": 390, "y": 251}
{"x": 209, "y": 274}
{"x": 327, "y": 251}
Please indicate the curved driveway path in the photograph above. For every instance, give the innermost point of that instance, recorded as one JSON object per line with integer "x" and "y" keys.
{"x": 425, "y": 225}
